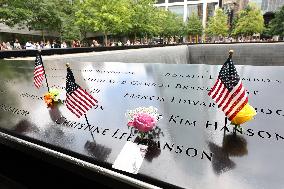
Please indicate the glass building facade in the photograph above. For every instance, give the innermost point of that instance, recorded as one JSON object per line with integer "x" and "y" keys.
{"x": 185, "y": 8}
{"x": 269, "y": 5}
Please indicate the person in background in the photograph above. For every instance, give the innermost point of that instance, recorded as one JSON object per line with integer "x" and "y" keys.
{"x": 78, "y": 43}
{"x": 4, "y": 46}
{"x": 55, "y": 44}
{"x": 37, "y": 46}
{"x": 8, "y": 46}
{"x": 95, "y": 43}
{"x": 63, "y": 45}
{"x": 41, "y": 44}
{"x": 73, "y": 44}
{"x": 17, "y": 45}
{"x": 128, "y": 43}
{"x": 47, "y": 45}
{"x": 29, "y": 45}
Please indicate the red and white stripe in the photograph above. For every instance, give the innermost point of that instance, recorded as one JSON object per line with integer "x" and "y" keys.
{"x": 230, "y": 102}
{"x": 79, "y": 102}
{"x": 38, "y": 76}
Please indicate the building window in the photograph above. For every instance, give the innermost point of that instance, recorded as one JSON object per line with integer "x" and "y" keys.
{"x": 160, "y": 1}
{"x": 195, "y": 9}
{"x": 210, "y": 9}
{"x": 177, "y": 10}
{"x": 173, "y": 1}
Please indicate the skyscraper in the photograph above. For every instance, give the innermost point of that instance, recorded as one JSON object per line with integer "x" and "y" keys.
{"x": 271, "y": 5}
{"x": 185, "y": 8}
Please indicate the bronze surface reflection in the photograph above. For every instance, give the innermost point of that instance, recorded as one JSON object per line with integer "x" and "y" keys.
{"x": 221, "y": 161}
{"x": 235, "y": 145}
{"x": 55, "y": 114}
{"x": 98, "y": 151}
{"x": 25, "y": 126}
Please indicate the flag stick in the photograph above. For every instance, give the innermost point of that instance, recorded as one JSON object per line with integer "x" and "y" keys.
{"x": 89, "y": 127}
{"x": 39, "y": 52}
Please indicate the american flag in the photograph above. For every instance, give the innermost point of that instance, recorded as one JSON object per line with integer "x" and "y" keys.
{"x": 38, "y": 72}
{"x": 78, "y": 101}
{"x": 228, "y": 91}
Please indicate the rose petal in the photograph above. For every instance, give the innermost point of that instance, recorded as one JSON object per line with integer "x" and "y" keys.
{"x": 130, "y": 124}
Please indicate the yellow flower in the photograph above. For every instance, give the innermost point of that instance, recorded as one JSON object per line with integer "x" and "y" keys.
{"x": 48, "y": 98}
{"x": 246, "y": 114}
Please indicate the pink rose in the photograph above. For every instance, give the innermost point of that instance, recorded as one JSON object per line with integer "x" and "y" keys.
{"x": 143, "y": 122}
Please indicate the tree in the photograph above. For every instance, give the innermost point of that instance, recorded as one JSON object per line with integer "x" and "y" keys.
{"x": 217, "y": 25}
{"x": 277, "y": 23}
{"x": 106, "y": 16}
{"x": 37, "y": 14}
{"x": 170, "y": 24}
{"x": 69, "y": 30}
{"x": 249, "y": 21}
{"x": 194, "y": 26}
{"x": 12, "y": 12}
{"x": 142, "y": 20}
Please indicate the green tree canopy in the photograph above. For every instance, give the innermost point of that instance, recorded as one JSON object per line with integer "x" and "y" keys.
{"x": 69, "y": 30}
{"x": 170, "y": 24}
{"x": 217, "y": 25}
{"x": 194, "y": 25}
{"x": 106, "y": 16}
{"x": 249, "y": 21}
{"x": 36, "y": 14}
{"x": 277, "y": 24}
{"x": 142, "y": 19}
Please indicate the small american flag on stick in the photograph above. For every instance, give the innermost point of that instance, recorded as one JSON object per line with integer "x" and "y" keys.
{"x": 228, "y": 91}
{"x": 78, "y": 101}
{"x": 38, "y": 71}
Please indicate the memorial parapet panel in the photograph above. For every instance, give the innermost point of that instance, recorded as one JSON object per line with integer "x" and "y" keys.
{"x": 195, "y": 150}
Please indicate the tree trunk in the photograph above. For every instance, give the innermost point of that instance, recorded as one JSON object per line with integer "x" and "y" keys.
{"x": 196, "y": 40}
{"x": 43, "y": 38}
{"x": 146, "y": 38}
{"x": 190, "y": 39}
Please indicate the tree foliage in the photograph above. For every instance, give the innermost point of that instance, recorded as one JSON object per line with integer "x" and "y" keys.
{"x": 249, "y": 21}
{"x": 34, "y": 14}
{"x": 194, "y": 25}
{"x": 106, "y": 16}
{"x": 277, "y": 24}
{"x": 171, "y": 24}
{"x": 69, "y": 30}
{"x": 142, "y": 19}
{"x": 217, "y": 25}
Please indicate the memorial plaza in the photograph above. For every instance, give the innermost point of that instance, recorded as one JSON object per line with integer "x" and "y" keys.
{"x": 141, "y": 94}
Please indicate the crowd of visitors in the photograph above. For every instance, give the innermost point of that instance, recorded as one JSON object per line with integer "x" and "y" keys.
{"x": 31, "y": 45}
{"x": 16, "y": 45}
{"x": 55, "y": 44}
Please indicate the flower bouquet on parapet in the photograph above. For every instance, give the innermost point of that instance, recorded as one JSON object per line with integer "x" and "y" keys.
{"x": 51, "y": 98}
{"x": 143, "y": 123}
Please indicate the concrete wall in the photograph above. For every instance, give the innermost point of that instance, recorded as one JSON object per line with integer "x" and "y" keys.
{"x": 167, "y": 55}
{"x": 258, "y": 54}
